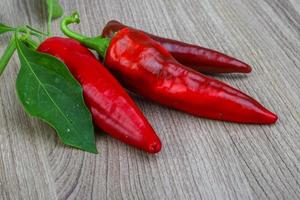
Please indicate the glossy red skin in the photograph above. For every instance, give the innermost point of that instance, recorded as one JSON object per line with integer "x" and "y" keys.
{"x": 199, "y": 58}
{"x": 148, "y": 69}
{"x": 112, "y": 108}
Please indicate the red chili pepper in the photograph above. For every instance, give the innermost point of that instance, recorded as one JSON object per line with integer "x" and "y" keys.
{"x": 112, "y": 108}
{"x": 199, "y": 58}
{"x": 148, "y": 69}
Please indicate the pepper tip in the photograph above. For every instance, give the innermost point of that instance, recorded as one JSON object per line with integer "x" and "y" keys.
{"x": 248, "y": 69}
{"x": 154, "y": 147}
{"x": 274, "y": 119}
{"x": 270, "y": 118}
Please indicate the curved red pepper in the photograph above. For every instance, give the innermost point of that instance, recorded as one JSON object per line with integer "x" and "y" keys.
{"x": 197, "y": 57}
{"x": 112, "y": 109}
{"x": 148, "y": 69}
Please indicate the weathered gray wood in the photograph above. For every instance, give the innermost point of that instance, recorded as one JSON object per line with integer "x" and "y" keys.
{"x": 201, "y": 159}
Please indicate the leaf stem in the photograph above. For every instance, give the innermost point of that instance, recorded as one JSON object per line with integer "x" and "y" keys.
{"x": 33, "y": 30}
{"x": 39, "y": 34}
{"x": 26, "y": 37}
{"x": 22, "y": 29}
{"x": 31, "y": 43}
{"x": 11, "y": 47}
{"x": 9, "y": 51}
{"x": 50, "y": 12}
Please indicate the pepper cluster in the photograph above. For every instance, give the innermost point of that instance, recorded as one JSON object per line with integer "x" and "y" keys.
{"x": 162, "y": 70}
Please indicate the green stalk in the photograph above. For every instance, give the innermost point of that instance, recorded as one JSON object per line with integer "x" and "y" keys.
{"x": 31, "y": 43}
{"x": 35, "y": 31}
{"x": 9, "y": 51}
{"x": 50, "y": 10}
{"x": 100, "y": 44}
{"x": 11, "y": 47}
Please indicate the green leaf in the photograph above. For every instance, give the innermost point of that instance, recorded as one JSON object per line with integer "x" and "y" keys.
{"x": 9, "y": 51}
{"x": 55, "y": 11}
{"x": 4, "y": 28}
{"x": 48, "y": 91}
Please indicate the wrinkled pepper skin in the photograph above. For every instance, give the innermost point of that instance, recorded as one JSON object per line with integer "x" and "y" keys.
{"x": 199, "y": 58}
{"x": 112, "y": 109}
{"x": 146, "y": 68}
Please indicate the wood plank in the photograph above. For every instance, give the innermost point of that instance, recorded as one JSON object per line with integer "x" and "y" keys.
{"x": 201, "y": 159}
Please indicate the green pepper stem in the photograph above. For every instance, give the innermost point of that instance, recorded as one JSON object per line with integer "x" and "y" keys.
{"x": 100, "y": 44}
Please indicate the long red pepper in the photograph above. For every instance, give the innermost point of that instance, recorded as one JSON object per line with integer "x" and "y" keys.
{"x": 199, "y": 58}
{"x": 148, "y": 69}
{"x": 112, "y": 108}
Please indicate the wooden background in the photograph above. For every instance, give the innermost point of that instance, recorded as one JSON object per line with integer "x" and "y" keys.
{"x": 201, "y": 159}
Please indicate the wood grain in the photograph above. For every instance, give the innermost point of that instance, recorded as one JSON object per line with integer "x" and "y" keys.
{"x": 201, "y": 159}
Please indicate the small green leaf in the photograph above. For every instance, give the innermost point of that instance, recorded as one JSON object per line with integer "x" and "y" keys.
{"x": 55, "y": 11}
{"x": 4, "y": 28}
{"x": 48, "y": 91}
